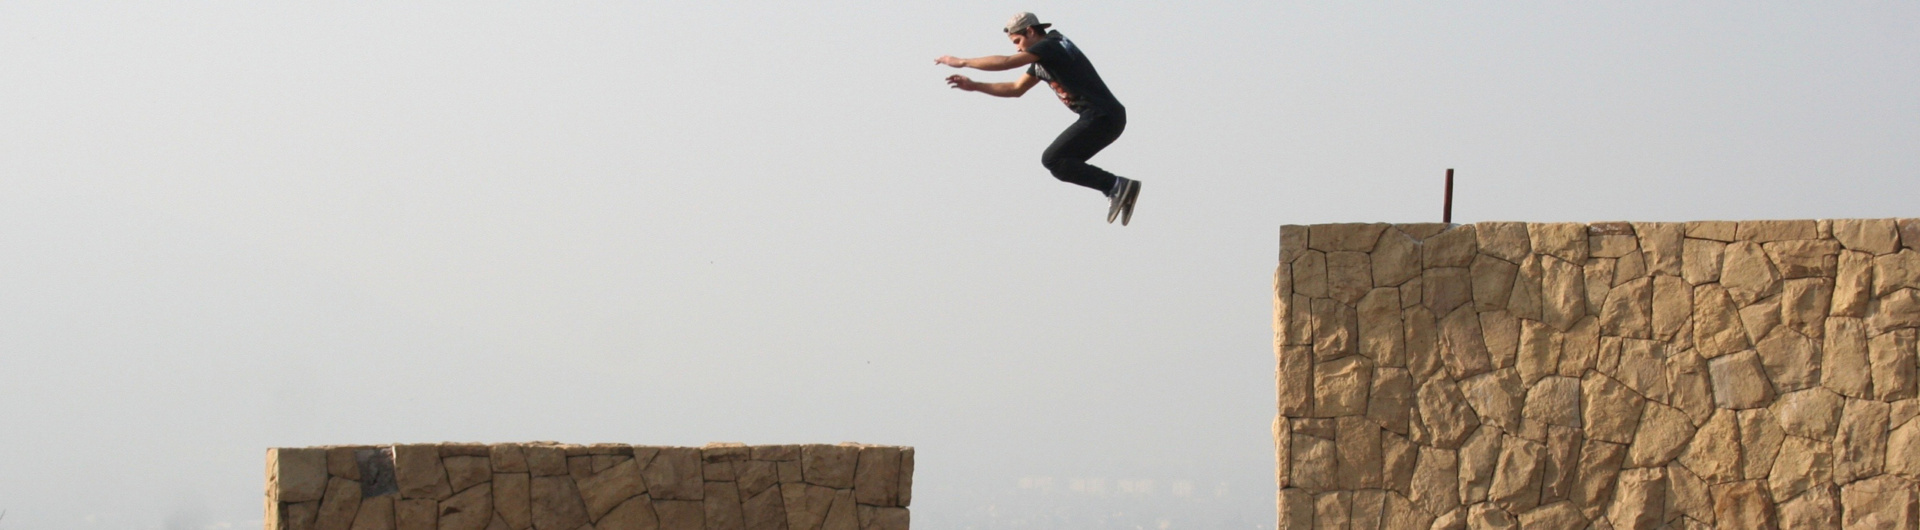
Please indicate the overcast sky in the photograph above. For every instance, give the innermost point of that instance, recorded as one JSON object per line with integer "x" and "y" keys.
{"x": 227, "y": 226}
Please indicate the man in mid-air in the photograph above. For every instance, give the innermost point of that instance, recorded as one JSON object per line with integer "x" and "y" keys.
{"x": 1050, "y": 57}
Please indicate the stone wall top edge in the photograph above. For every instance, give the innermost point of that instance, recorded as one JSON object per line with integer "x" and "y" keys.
{"x": 712, "y": 445}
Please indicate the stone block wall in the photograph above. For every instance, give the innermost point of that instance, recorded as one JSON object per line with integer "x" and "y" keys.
{"x": 550, "y": 486}
{"x": 1751, "y": 374}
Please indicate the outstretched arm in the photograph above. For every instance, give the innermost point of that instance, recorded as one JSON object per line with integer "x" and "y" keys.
{"x": 991, "y": 63}
{"x": 1006, "y": 90}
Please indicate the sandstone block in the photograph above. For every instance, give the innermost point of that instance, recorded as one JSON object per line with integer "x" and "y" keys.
{"x": 876, "y": 477}
{"x": 1349, "y": 276}
{"x": 1611, "y": 239}
{"x": 1630, "y": 267}
{"x": 1336, "y": 329}
{"x": 1714, "y": 451}
{"x": 417, "y": 468}
{"x": 1359, "y": 454}
{"x": 1340, "y": 386}
{"x": 1492, "y": 282}
{"x": 557, "y": 504}
{"x": 1813, "y": 413}
{"x": 1444, "y": 413}
{"x": 1436, "y": 481}
{"x": 1352, "y": 237}
{"x": 674, "y": 473}
{"x": 1490, "y": 517}
{"x": 467, "y": 471}
{"x": 1760, "y": 317}
{"x": 1610, "y": 411}
{"x": 1504, "y": 240}
{"x": 806, "y": 505}
{"x": 1310, "y": 274}
{"x": 687, "y": 515}
{"x": 1853, "y": 286}
{"x": 1743, "y": 504}
{"x": 1860, "y": 445}
{"x": 826, "y": 465}
{"x": 1580, "y": 348}
{"x": 1716, "y": 323}
{"x": 1900, "y": 310}
{"x": 1555, "y": 401}
{"x": 1689, "y": 387}
{"x": 1687, "y": 495}
{"x": 1525, "y": 302}
{"x": 1567, "y": 241}
{"x": 1538, "y": 354}
{"x": 879, "y": 518}
{"x": 1517, "y": 480}
{"x": 1760, "y": 441}
{"x": 1714, "y": 230}
{"x": 1561, "y": 465}
{"x": 1382, "y": 333}
{"x": 1896, "y": 271}
{"x": 424, "y": 514}
{"x": 296, "y": 474}
{"x": 1661, "y": 243}
{"x": 1663, "y": 433}
{"x": 1880, "y": 502}
{"x": 1903, "y": 451}
{"x": 1315, "y": 462}
{"x": 606, "y": 490}
{"x": 1293, "y": 242}
{"x": 1369, "y": 509}
{"x": 1557, "y": 515}
{"x": 1282, "y": 451}
{"x": 1600, "y": 464}
{"x": 1391, "y": 402}
{"x": 1453, "y": 248}
{"x": 1874, "y": 236}
{"x": 636, "y": 513}
{"x": 1701, "y": 263}
{"x": 722, "y": 507}
{"x": 1909, "y": 232}
{"x": 1463, "y": 346}
{"x": 1598, "y": 274}
{"x": 1847, "y": 369}
{"x": 1399, "y": 456}
{"x": 1296, "y": 325}
{"x": 1815, "y": 258}
{"x": 1333, "y": 509}
{"x": 376, "y": 513}
{"x": 1294, "y": 380}
{"x": 513, "y": 499}
{"x": 1792, "y": 360}
{"x": 1804, "y": 303}
{"x": 1892, "y": 355}
{"x": 338, "y": 505}
{"x": 545, "y": 459}
{"x": 468, "y": 510}
{"x": 1502, "y": 334}
{"x": 1672, "y": 307}
{"x": 1802, "y": 464}
{"x": 1423, "y": 342}
{"x": 1640, "y": 499}
{"x": 1296, "y": 509}
{"x": 1446, "y": 288}
{"x": 1818, "y": 508}
{"x": 1764, "y": 231}
{"x": 1739, "y": 382}
{"x": 1496, "y": 397}
{"x": 343, "y": 460}
{"x": 1747, "y": 273}
{"x": 1452, "y": 520}
{"x": 1395, "y": 259}
{"x": 1479, "y": 458}
{"x": 1563, "y": 297}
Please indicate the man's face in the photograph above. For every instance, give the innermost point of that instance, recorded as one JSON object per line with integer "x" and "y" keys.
{"x": 1021, "y": 38}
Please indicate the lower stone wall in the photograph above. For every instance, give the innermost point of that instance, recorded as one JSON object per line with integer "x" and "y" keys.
{"x": 1752, "y": 374}
{"x": 551, "y": 486}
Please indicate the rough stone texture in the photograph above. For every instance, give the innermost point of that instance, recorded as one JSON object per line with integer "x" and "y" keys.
{"x": 1754, "y": 374}
{"x": 549, "y": 486}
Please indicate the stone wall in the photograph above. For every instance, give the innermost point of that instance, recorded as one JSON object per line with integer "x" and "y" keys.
{"x": 1751, "y": 374}
{"x": 549, "y": 486}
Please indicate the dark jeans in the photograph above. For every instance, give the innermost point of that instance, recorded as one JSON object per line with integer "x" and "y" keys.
{"x": 1067, "y": 157}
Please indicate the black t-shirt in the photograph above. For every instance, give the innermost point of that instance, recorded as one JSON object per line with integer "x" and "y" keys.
{"x": 1070, "y": 74}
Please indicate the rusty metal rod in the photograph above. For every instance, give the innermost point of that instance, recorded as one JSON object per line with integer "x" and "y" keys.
{"x": 1446, "y": 208}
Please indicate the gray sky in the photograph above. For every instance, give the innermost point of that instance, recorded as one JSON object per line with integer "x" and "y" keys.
{"x": 235, "y": 225}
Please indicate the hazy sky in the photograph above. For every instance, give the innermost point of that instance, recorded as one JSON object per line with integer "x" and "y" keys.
{"x": 226, "y": 226}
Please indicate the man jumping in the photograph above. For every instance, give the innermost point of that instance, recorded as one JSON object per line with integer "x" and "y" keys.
{"x": 1050, "y": 57}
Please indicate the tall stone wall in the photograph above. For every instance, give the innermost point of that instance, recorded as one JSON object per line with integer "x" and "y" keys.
{"x": 1751, "y": 374}
{"x": 550, "y": 486}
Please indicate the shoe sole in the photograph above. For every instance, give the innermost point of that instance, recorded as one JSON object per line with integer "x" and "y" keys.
{"x": 1126, "y": 205}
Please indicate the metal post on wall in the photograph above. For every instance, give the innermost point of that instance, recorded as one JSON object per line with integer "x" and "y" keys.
{"x": 1446, "y": 207}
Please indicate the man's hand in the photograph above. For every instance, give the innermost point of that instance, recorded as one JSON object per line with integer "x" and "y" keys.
{"x": 961, "y": 82}
{"x": 952, "y": 61}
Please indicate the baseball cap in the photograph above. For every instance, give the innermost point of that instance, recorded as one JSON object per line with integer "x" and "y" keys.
{"x": 1023, "y": 21}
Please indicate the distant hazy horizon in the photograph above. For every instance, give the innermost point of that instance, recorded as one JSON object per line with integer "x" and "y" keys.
{"x": 237, "y": 225}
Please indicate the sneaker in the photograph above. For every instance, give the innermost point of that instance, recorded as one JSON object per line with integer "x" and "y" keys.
{"x": 1114, "y": 201}
{"x": 1127, "y": 197}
